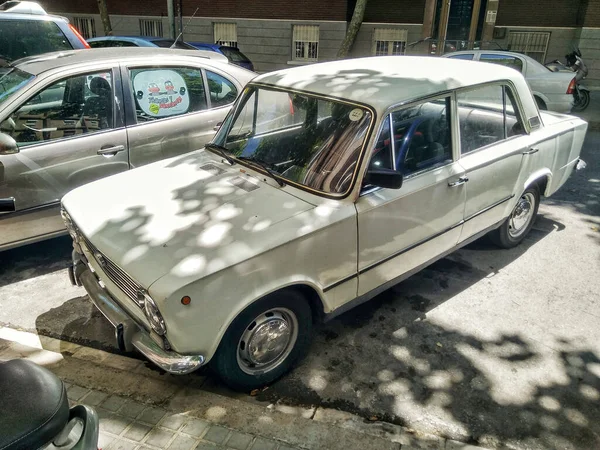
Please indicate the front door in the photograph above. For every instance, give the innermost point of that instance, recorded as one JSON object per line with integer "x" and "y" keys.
{"x": 176, "y": 109}
{"x": 400, "y": 230}
{"x": 69, "y": 133}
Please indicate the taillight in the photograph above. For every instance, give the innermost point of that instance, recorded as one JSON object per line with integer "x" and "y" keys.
{"x": 80, "y": 37}
{"x": 571, "y": 87}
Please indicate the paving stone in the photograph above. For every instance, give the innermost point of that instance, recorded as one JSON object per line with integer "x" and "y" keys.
{"x": 285, "y": 447}
{"x": 131, "y": 409}
{"x": 182, "y": 442}
{"x": 114, "y": 424}
{"x": 94, "y": 398}
{"x": 239, "y": 441}
{"x": 119, "y": 444}
{"x": 137, "y": 431}
{"x": 206, "y": 446}
{"x": 195, "y": 427}
{"x": 263, "y": 444}
{"x": 216, "y": 434}
{"x": 174, "y": 422}
{"x": 159, "y": 438}
{"x": 151, "y": 415}
{"x": 75, "y": 393}
{"x": 113, "y": 403}
{"x": 104, "y": 439}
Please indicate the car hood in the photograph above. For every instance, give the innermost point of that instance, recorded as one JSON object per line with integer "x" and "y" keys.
{"x": 189, "y": 216}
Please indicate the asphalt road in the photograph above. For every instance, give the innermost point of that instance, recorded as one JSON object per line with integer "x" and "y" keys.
{"x": 490, "y": 346}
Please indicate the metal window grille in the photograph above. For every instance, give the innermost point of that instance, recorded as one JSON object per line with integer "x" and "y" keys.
{"x": 306, "y": 42}
{"x": 225, "y": 34}
{"x": 534, "y": 44}
{"x": 389, "y": 41}
{"x": 85, "y": 26}
{"x": 151, "y": 27}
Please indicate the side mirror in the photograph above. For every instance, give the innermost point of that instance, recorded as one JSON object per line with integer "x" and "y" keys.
{"x": 385, "y": 178}
{"x": 8, "y": 146}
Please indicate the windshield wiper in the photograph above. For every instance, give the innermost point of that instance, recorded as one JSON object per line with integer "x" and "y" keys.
{"x": 265, "y": 166}
{"x": 221, "y": 151}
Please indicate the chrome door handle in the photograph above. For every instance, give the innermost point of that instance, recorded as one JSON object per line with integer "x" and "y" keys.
{"x": 110, "y": 150}
{"x": 461, "y": 180}
{"x": 531, "y": 151}
{"x": 7, "y": 205}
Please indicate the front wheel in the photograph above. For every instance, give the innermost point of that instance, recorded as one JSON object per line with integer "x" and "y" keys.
{"x": 582, "y": 100}
{"x": 264, "y": 341}
{"x": 516, "y": 227}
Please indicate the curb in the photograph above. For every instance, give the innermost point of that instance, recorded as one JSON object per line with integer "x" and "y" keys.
{"x": 307, "y": 428}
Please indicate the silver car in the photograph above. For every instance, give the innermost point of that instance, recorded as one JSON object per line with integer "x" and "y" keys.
{"x": 70, "y": 118}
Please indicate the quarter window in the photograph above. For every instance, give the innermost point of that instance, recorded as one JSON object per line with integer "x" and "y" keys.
{"x": 305, "y": 43}
{"x": 420, "y": 139}
{"x": 167, "y": 92}
{"x": 222, "y": 91}
{"x": 504, "y": 60}
{"x": 71, "y": 107}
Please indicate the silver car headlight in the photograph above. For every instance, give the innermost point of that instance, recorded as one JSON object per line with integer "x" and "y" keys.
{"x": 153, "y": 314}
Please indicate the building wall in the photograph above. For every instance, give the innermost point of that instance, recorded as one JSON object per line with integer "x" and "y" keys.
{"x": 363, "y": 46}
{"x": 538, "y": 13}
{"x": 384, "y": 11}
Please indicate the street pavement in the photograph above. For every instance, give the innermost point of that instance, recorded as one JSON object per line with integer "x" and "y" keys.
{"x": 488, "y": 346}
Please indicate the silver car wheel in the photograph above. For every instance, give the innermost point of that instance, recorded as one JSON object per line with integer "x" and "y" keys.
{"x": 267, "y": 341}
{"x": 521, "y": 216}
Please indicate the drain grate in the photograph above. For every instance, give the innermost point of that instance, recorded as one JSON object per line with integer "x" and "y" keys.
{"x": 243, "y": 184}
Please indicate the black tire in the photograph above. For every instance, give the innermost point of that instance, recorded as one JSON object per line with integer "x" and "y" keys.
{"x": 504, "y": 236}
{"x": 225, "y": 362}
{"x": 582, "y": 101}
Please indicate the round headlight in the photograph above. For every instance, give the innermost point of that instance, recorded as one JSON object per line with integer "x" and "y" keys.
{"x": 153, "y": 315}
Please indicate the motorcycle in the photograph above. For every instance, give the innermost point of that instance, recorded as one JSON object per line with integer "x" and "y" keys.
{"x": 581, "y": 94}
{"x": 35, "y": 413}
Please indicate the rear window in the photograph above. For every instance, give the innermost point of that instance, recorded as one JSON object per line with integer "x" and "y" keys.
{"x": 167, "y": 43}
{"x": 20, "y": 38}
{"x": 234, "y": 55}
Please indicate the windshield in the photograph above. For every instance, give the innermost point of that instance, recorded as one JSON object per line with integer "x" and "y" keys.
{"x": 233, "y": 54}
{"x": 306, "y": 140}
{"x": 11, "y": 80}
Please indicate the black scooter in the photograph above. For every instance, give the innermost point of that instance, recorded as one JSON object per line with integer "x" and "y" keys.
{"x": 35, "y": 413}
{"x": 581, "y": 94}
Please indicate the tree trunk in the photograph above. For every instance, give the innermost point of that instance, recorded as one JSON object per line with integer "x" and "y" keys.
{"x": 104, "y": 17}
{"x": 353, "y": 28}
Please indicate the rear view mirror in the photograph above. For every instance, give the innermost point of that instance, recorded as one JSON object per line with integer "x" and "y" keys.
{"x": 8, "y": 146}
{"x": 385, "y": 178}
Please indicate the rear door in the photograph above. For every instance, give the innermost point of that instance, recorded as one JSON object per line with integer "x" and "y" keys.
{"x": 174, "y": 108}
{"x": 69, "y": 132}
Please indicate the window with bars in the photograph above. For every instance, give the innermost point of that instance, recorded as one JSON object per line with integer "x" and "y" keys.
{"x": 305, "y": 43}
{"x": 225, "y": 34}
{"x": 85, "y": 26}
{"x": 389, "y": 41}
{"x": 534, "y": 44}
{"x": 151, "y": 27}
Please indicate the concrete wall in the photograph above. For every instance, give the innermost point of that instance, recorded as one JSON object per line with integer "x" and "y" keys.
{"x": 363, "y": 46}
{"x": 589, "y": 44}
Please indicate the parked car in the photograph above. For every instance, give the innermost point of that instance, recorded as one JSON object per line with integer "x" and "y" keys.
{"x": 325, "y": 185}
{"x": 233, "y": 54}
{"x": 552, "y": 90}
{"x": 72, "y": 117}
{"x": 26, "y": 30}
{"x": 138, "y": 41}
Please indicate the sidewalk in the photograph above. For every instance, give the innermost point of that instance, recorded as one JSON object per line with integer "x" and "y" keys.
{"x": 141, "y": 408}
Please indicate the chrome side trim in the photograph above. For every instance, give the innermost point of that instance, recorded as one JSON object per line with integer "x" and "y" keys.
{"x": 342, "y": 281}
{"x": 487, "y": 208}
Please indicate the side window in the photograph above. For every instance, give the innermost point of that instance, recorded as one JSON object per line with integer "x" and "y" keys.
{"x": 73, "y": 106}
{"x": 161, "y": 92}
{"x": 504, "y": 60}
{"x": 420, "y": 139}
{"x": 481, "y": 117}
{"x": 468, "y": 56}
{"x": 222, "y": 91}
{"x": 513, "y": 121}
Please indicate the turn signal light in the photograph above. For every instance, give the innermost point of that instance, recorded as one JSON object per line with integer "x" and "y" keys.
{"x": 185, "y": 300}
{"x": 571, "y": 87}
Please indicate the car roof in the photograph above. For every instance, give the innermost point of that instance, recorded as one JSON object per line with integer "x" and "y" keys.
{"x": 20, "y": 16}
{"x": 48, "y": 61}
{"x": 495, "y": 52}
{"x": 384, "y": 81}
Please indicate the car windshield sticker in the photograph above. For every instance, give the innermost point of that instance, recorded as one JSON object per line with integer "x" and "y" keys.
{"x": 355, "y": 114}
{"x": 161, "y": 93}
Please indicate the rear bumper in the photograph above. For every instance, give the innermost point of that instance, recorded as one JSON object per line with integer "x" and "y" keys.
{"x": 128, "y": 333}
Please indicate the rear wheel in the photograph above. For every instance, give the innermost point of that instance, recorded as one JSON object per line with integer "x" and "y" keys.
{"x": 516, "y": 227}
{"x": 264, "y": 341}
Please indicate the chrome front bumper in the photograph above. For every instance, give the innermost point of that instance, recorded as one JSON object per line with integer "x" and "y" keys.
{"x": 128, "y": 333}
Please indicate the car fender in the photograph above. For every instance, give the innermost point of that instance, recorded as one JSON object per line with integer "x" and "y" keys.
{"x": 538, "y": 175}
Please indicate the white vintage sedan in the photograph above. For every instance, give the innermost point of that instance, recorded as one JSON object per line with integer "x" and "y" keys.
{"x": 324, "y": 186}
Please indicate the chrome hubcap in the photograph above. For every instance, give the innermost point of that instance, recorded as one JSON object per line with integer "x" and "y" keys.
{"x": 521, "y": 215}
{"x": 267, "y": 341}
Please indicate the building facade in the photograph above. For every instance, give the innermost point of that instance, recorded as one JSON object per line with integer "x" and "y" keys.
{"x": 276, "y": 34}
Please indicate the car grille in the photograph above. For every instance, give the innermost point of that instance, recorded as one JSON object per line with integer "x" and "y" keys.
{"x": 115, "y": 273}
